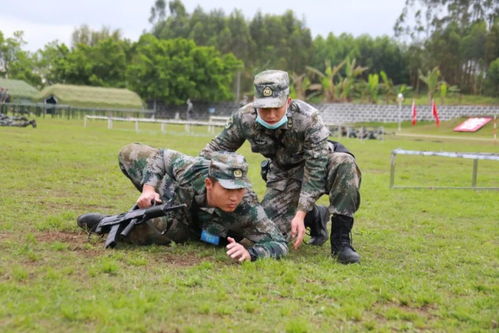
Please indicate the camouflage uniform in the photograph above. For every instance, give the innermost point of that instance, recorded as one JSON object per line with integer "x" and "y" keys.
{"x": 304, "y": 164}
{"x": 182, "y": 178}
{"x": 16, "y": 121}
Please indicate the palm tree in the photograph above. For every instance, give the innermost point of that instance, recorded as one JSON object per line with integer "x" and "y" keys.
{"x": 431, "y": 79}
{"x": 327, "y": 84}
{"x": 388, "y": 88}
{"x": 300, "y": 85}
{"x": 373, "y": 87}
{"x": 347, "y": 83}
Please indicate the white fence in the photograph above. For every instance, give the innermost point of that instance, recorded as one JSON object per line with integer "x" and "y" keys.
{"x": 214, "y": 121}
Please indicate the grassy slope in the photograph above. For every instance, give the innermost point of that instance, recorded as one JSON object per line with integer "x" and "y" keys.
{"x": 429, "y": 258}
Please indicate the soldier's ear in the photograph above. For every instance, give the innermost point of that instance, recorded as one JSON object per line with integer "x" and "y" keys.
{"x": 208, "y": 183}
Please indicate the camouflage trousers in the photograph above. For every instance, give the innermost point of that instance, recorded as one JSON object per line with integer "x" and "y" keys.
{"x": 342, "y": 184}
{"x": 176, "y": 225}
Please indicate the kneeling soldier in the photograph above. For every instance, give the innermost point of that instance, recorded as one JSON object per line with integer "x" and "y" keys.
{"x": 220, "y": 204}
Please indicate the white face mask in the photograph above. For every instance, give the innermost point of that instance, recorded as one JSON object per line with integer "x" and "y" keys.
{"x": 265, "y": 124}
{"x": 271, "y": 126}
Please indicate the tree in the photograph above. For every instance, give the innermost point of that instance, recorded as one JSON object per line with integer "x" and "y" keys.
{"x": 300, "y": 83}
{"x": 388, "y": 88}
{"x": 346, "y": 83}
{"x": 103, "y": 64}
{"x": 15, "y": 63}
{"x": 266, "y": 41}
{"x": 52, "y": 61}
{"x": 333, "y": 49}
{"x": 173, "y": 70}
{"x": 377, "y": 54}
{"x": 328, "y": 82}
{"x": 427, "y": 16}
{"x": 431, "y": 79}
{"x": 158, "y": 12}
{"x": 492, "y": 83}
{"x": 85, "y": 35}
{"x": 373, "y": 88}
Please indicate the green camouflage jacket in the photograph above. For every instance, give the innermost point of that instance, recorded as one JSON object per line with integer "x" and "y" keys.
{"x": 180, "y": 176}
{"x": 300, "y": 144}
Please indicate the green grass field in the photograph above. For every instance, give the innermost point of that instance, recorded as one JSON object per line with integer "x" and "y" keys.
{"x": 430, "y": 258}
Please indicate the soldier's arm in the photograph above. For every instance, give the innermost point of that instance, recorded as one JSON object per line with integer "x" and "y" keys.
{"x": 230, "y": 139}
{"x": 315, "y": 152}
{"x": 159, "y": 166}
{"x": 270, "y": 245}
{"x": 148, "y": 197}
{"x": 258, "y": 228}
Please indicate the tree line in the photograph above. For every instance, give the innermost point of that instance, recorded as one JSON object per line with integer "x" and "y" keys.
{"x": 212, "y": 56}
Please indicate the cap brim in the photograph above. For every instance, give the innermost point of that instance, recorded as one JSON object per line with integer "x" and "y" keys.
{"x": 230, "y": 184}
{"x": 270, "y": 102}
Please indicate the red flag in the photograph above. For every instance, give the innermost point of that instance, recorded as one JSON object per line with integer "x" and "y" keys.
{"x": 434, "y": 111}
{"x": 414, "y": 113}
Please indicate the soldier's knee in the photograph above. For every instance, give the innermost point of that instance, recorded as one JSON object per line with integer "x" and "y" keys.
{"x": 342, "y": 166}
{"x": 134, "y": 152}
{"x": 343, "y": 161}
{"x": 127, "y": 150}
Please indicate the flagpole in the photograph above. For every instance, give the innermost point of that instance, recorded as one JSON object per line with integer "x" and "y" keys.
{"x": 495, "y": 130}
{"x": 413, "y": 113}
{"x": 400, "y": 99}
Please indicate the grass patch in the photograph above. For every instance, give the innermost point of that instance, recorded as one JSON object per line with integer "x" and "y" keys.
{"x": 429, "y": 258}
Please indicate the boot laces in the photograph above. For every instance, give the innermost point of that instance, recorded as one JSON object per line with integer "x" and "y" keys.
{"x": 344, "y": 240}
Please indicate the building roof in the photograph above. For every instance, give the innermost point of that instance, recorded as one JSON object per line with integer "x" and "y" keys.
{"x": 19, "y": 89}
{"x": 88, "y": 96}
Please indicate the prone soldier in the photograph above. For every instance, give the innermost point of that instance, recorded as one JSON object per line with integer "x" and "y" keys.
{"x": 16, "y": 121}
{"x": 220, "y": 205}
{"x": 303, "y": 164}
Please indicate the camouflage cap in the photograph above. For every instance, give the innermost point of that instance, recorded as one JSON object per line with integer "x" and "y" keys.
{"x": 230, "y": 169}
{"x": 271, "y": 89}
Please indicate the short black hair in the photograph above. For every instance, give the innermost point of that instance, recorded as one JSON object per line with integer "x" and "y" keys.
{"x": 213, "y": 179}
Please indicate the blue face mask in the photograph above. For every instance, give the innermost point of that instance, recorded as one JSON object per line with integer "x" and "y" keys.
{"x": 265, "y": 124}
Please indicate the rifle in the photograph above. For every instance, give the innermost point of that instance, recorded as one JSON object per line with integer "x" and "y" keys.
{"x": 126, "y": 221}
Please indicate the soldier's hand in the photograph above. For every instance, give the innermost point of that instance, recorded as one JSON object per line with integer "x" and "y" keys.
{"x": 148, "y": 197}
{"x": 236, "y": 251}
{"x": 298, "y": 229}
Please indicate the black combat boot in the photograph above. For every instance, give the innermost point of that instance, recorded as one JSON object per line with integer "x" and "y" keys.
{"x": 316, "y": 220}
{"x": 89, "y": 222}
{"x": 341, "y": 244}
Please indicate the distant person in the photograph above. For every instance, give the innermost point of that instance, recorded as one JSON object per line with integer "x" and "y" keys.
{"x": 4, "y": 95}
{"x": 302, "y": 165}
{"x": 221, "y": 207}
{"x": 189, "y": 110}
{"x": 244, "y": 101}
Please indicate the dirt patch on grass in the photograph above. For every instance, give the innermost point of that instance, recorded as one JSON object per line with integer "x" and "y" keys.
{"x": 76, "y": 241}
{"x": 80, "y": 243}
{"x": 426, "y": 311}
{"x": 5, "y": 236}
{"x": 61, "y": 236}
{"x": 182, "y": 260}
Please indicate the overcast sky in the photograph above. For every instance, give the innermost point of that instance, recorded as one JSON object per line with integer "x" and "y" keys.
{"x": 46, "y": 20}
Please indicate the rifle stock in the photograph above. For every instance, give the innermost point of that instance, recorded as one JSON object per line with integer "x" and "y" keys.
{"x": 126, "y": 221}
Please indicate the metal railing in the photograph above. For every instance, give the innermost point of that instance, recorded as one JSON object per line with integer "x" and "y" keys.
{"x": 70, "y": 112}
{"x": 474, "y": 156}
{"x": 188, "y": 124}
